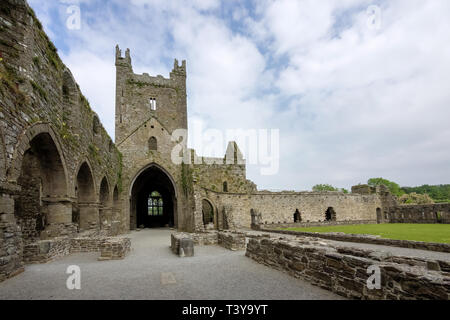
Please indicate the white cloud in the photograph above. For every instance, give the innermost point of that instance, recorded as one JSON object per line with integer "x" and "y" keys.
{"x": 351, "y": 102}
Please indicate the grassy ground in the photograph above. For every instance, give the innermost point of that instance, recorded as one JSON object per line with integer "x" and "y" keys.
{"x": 439, "y": 233}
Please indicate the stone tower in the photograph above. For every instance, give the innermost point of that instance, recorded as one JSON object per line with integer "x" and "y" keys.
{"x": 141, "y": 97}
{"x": 148, "y": 110}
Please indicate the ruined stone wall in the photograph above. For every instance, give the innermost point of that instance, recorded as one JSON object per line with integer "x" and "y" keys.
{"x": 344, "y": 270}
{"x": 43, "y": 112}
{"x": 429, "y": 213}
{"x": 279, "y": 207}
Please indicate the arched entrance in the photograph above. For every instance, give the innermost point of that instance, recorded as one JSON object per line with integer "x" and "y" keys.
{"x": 87, "y": 215}
{"x": 208, "y": 214}
{"x": 153, "y": 200}
{"x": 330, "y": 214}
{"x": 43, "y": 183}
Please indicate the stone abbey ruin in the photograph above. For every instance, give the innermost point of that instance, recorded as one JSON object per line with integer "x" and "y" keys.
{"x": 66, "y": 187}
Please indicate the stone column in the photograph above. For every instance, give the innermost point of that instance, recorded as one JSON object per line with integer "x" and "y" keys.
{"x": 58, "y": 218}
{"x": 89, "y": 216}
{"x": 106, "y": 217}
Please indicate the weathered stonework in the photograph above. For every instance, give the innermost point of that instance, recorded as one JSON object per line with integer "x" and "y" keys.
{"x": 344, "y": 270}
{"x": 54, "y": 152}
{"x": 44, "y": 251}
{"x": 360, "y": 238}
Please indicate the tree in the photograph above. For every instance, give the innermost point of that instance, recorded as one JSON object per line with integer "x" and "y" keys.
{"x": 393, "y": 187}
{"x": 415, "y": 198}
{"x": 324, "y": 187}
{"x": 328, "y": 187}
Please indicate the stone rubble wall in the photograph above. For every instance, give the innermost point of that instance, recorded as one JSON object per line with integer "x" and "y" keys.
{"x": 11, "y": 243}
{"x": 48, "y": 250}
{"x": 344, "y": 270}
{"x": 359, "y": 238}
{"x": 233, "y": 241}
{"x": 427, "y": 214}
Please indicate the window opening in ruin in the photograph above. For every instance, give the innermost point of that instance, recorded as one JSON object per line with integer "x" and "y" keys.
{"x": 152, "y": 144}
{"x": 152, "y": 104}
{"x": 297, "y": 216}
{"x": 155, "y": 204}
{"x": 225, "y": 186}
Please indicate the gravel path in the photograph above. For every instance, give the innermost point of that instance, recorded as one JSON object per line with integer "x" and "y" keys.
{"x": 152, "y": 272}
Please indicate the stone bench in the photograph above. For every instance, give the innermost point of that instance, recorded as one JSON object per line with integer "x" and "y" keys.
{"x": 114, "y": 249}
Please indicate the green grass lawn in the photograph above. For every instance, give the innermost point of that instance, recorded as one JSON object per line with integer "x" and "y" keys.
{"x": 439, "y": 233}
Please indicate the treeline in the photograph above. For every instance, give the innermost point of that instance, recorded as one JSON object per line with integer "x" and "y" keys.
{"x": 439, "y": 193}
{"x": 407, "y": 195}
{"x": 416, "y": 195}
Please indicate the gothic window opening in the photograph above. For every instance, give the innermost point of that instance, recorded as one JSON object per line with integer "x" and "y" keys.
{"x": 155, "y": 204}
{"x": 225, "y": 186}
{"x": 152, "y": 104}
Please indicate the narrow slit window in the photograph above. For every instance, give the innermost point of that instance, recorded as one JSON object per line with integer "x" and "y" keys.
{"x": 153, "y": 104}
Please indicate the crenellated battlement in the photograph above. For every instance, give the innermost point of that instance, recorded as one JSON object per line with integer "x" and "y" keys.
{"x": 123, "y": 61}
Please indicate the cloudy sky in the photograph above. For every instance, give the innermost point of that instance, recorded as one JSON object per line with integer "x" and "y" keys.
{"x": 357, "y": 88}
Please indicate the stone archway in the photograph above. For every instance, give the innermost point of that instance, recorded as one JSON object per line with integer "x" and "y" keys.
{"x": 105, "y": 210}
{"x": 330, "y": 215}
{"x": 42, "y": 208}
{"x": 87, "y": 215}
{"x": 208, "y": 214}
{"x": 153, "y": 200}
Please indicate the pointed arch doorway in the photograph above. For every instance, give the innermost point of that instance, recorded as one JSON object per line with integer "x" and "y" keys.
{"x": 153, "y": 199}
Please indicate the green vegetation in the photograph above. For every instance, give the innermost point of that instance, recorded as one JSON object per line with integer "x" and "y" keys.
{"x": 93, "y": 151}
{"x": 10, "y": 79}
{"x": 36, "y": 61}
{"x": 415, "y": 198}
{"x": 39, "y": 90}
{"x": 67, "y": 135}
{"x": 438, "y": 233}
{"x": 394, "y": 188}
{"x": 327, "y": 187}
{"x": 439, "y": 193}
{"x": 415, "y": 195}
{"x": 186, "y": 178}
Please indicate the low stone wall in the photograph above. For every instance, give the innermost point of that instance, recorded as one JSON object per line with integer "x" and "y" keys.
{"x": 316, "y": 224}
{"x": 205, "y": 238}
{"x": 345, "y": 270}
{"x": 114, "y": 249}
{"x": 232, "y": 240}
{"x": 440, "y": 247}
{"x": 44, "y": 251}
